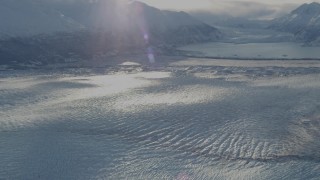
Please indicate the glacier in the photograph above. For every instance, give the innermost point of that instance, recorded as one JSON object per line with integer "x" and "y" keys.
{"x": 187, "y": 119}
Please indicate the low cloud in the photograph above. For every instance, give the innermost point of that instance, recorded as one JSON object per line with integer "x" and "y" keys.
{"x": 252, "y": 9}
{"x": 256, "y": 9}
{"x": 249, "y": 9}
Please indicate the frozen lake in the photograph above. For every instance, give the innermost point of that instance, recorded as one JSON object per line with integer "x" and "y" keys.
{"x": 256, "y": 50}
{"x": 192, "y": 119}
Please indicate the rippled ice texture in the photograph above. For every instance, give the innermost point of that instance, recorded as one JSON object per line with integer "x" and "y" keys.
{"x": 179, "y": 122}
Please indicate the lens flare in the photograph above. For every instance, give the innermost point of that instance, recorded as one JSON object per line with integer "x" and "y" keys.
{"x": 143, "y": 26}
{"x": 151, "y": 56}
{"x": 146, "y": 37}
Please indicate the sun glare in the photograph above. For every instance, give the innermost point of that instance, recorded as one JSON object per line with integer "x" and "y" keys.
{"x": 127, "y": 18}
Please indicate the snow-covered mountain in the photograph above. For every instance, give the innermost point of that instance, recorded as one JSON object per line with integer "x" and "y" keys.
{"x": 33, "y": 17}
{"x": 137, "y": 17}
{"x": 30, "y": 17}
{"x": 304, "y": 22}
{"x": 47, "y": 31}
{"x": 175, "y": 27}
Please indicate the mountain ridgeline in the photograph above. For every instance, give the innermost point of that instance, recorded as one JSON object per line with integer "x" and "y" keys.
{"x": 43, "y": 32}
{"x": 40, "y": 32}
{"x": 303, "y": 22}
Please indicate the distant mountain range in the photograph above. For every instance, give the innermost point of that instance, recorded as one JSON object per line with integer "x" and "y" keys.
{"x": 303, "y": 22}
{"x": 41, "y": 31}
{"x": 30, "y": 17}
{"x": 169, "y": 26}
{"x": 33, "y": 17}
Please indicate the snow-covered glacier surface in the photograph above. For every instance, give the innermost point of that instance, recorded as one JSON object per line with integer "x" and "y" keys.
{"x": 187, "y": 120}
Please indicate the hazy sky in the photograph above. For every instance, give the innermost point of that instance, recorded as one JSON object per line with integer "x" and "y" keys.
{"x": 255, "y": 8}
